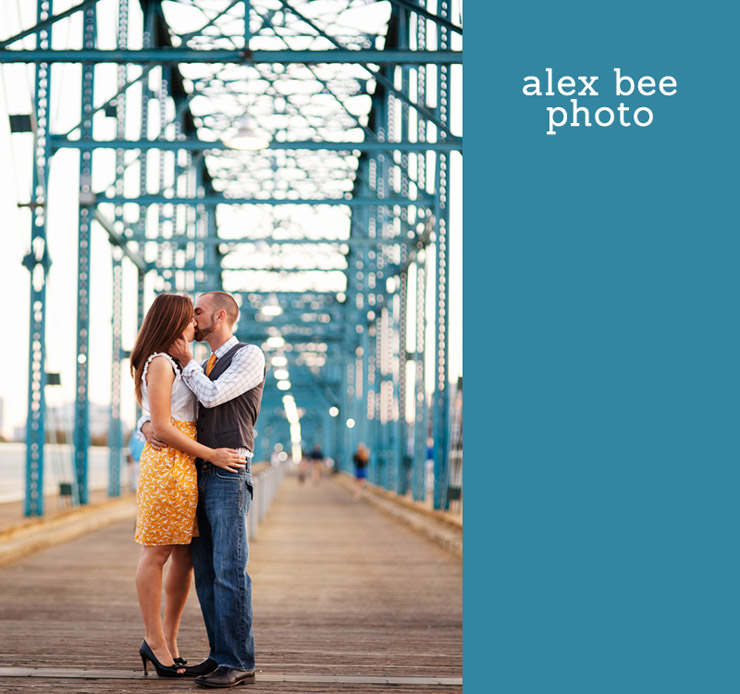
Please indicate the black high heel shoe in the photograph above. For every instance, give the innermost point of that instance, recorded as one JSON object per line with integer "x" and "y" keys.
{"x": 147, "y": 654}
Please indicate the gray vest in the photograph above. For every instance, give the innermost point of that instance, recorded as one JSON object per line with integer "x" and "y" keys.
{"x": 230, "y": 425}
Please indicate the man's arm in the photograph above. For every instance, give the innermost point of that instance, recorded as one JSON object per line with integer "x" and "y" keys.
{"x": 144, "y": 433}
{"x": 140, "y": 424}
{"x": 246, "y": 371}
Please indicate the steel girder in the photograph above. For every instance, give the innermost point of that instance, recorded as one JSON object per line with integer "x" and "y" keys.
{"x": 180, "y": 56}
{"x": 453, "y": 145}
{"x": 37, "y": 261}
{"x": 360, "y": 144}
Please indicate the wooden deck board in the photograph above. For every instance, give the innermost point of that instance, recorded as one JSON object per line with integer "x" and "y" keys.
{"x": 338, "y": 589}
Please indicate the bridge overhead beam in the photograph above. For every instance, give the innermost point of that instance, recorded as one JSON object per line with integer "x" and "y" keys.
{"x": 227, "y": 244}
{"x": 211, "y": 200}
{"x": 451, "y": 145}
{"x": 162, "y": 56}
{"x": 46, "y": 23}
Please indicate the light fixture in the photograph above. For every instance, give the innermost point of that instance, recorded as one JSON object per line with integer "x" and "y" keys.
{"x": 246, "y": 136}
{"x": 291, "y": 411}
{"x": 333, "y": 411}
{"x": 272, "y": 307}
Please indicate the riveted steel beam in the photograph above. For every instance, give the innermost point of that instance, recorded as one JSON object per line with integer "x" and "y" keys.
{"x": 211, "y": 200}
{"x": 118, "y": 240}
{"x": 230, "y": 244}
{"x": 187, "y": 55}
{"x": 453, "y": 145}
{"x": 428, "y": 15}
{"x": 46, "y": 23}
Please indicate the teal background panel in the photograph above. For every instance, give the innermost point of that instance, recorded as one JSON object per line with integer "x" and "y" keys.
{"x": 602, "y": 284}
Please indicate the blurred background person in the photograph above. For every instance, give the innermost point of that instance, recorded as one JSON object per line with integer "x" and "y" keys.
{"x": 133, "y": 456}
{"x": 361, "y": 458}
{"x": 316, "y": 456}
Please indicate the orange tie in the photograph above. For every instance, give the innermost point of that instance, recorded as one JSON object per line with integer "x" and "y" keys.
{"x": 211, "y": 363}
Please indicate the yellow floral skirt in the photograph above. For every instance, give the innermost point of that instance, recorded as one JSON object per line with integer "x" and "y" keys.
{"x": 167, "y": 494}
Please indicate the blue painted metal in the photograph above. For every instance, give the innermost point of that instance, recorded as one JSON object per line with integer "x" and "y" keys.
{"x": 46, "y": 23}
{"x": 376, "y": 423}
{"x": 161, "y": 99}
{"x": 420, "y": 397}
{"x": 365, "y": 338}
{"x": 418, "y": 8}
{"x": 247, "y": 33}
{"x": 227, "y": 244}
{"x": 112, "y": 101}
{"x": 452, "y": 145}
{"x": 37, "y": 262}
{"x": 403, "y": 449}
{"x": 421, "y": 424}
{"x": 384, "y": 80}
{"x": 115, "y": 433}
{"x": 391, "y": 397}
{"x": 117, "y": 239}
{"x": 81, "y": 435}
{"x": 344, "y": 445}
{"x": 145, "y": 92}
{"x": 210, "y": 200}
{"x": 218, "y": 55}
{"x": 442, "y": 216}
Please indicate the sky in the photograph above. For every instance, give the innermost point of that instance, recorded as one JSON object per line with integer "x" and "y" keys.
{"x": 16, "y": 89}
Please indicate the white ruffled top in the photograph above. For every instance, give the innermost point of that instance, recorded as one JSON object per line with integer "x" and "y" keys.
{"x": 183, "y": 404}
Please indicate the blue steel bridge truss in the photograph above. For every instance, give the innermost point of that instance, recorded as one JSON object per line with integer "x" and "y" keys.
{"x": 333, "y": 237}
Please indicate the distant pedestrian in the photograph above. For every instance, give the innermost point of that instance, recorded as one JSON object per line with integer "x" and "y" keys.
{"x": 317, "y": 460}
{"x": 302, "y": 466}
{"x": 133, "y": 456}
{"x": 429, "y": 469}
{"x": 360, "y": 459}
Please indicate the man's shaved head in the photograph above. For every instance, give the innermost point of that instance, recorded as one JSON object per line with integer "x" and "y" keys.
{"x": 221, "y": 301}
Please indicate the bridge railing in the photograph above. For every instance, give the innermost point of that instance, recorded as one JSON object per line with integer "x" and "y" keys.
{"x": 266, "y": 479}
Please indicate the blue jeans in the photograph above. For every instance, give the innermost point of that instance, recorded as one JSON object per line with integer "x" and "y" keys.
{"x": 220, "y": 557}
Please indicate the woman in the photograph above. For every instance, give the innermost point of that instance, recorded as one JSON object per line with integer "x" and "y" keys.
{"x": 167, "y": 492}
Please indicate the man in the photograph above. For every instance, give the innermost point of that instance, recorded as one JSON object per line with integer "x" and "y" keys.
{"x": 317, "y": 461}
{"x": 229, "y": 389}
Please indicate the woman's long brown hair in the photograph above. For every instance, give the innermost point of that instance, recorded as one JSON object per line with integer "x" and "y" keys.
{"x": 165, "y": 321}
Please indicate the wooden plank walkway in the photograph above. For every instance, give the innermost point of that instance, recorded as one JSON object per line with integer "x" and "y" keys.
{"x": 346, "y": 599}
